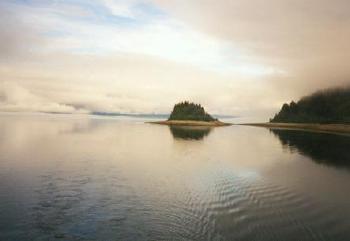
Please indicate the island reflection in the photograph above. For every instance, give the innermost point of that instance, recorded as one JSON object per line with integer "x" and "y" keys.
{"x": 189, "y": 132}
{"x": 322, "y": 148}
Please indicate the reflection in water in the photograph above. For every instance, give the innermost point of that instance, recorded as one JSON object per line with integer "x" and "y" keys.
{"x": 86, "y": 178}
{"x": 190, "y": 132}
{"x": 321, "y": 147}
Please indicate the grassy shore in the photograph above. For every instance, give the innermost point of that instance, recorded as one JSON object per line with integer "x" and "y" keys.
{"x": 331, "y": 128}
{"x": 190, "y": 123}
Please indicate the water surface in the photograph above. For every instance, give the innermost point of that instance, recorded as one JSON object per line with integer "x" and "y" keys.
{"x": 97, "y": 178}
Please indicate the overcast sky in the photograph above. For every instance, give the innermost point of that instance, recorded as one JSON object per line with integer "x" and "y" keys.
{"x": 235, "y": 57}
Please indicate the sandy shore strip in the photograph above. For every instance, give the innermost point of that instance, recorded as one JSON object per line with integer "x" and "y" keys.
{"x": 331, "y": 128}
{"x": 190, "y": 123}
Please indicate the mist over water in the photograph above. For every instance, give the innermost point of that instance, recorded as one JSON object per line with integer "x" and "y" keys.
{"x": 97, "y": 178}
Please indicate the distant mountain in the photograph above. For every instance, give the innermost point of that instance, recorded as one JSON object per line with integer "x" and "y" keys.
{"x": 224, "y": 116}
{"x": 151, "y": 116}
{"x": 326, "y": 106}
{"x": 190, "y": 111}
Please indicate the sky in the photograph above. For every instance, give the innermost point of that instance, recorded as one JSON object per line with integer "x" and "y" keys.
{"x": 235, "y": 57}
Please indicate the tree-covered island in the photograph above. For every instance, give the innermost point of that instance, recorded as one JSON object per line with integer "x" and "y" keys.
{"x": 190, "y": 111}
{"x": 190, "y": 114}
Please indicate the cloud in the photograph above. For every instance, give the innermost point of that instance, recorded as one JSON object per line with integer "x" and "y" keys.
{"x": 122, "y": 8}
{"x": 16, "y": 98}
{"x": 306, "y": 39}
{"x": 16, "y": 38}
{"x": 235, "y": 57}
{"x": 163, "y": 37}
{"x": 120, "y": 83}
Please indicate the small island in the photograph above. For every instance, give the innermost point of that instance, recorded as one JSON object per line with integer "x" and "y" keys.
{"x": 190, "y": 114}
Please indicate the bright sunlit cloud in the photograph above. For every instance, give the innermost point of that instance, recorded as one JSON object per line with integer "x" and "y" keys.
{"x": 127, "y": 28}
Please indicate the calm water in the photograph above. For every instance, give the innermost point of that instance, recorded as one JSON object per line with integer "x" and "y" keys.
{"x": 85, "y": 178}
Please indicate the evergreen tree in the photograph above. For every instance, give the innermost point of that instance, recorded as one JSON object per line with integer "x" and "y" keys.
{"x": 190, "y": 111}
{"x": 327, "y": 106}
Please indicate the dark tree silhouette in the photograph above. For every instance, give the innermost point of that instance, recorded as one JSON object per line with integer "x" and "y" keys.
{"x": 190, "y": 111}
{"x": 327, "y": 106}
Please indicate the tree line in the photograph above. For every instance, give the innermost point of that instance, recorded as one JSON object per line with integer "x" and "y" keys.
{"x": 326, "y": 106}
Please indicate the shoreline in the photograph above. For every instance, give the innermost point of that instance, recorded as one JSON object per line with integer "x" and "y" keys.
{"x": 329, "y": 128}
{"x": 190, "y": 123}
